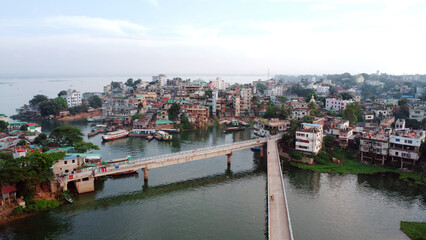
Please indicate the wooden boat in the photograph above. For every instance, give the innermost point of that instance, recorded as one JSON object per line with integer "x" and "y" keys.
{"x": 149, "y": 137}
{"x": 94, "y": 132}
{"x": 162, "y": 136}
{"x": 233, "y": 129}
{"x": 171, "y": 130}
{"x": 115, "y": 135}
{"x": 68, "y": 198}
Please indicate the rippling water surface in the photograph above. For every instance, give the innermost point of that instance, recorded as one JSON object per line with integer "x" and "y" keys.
{"x": 205, "y": 200}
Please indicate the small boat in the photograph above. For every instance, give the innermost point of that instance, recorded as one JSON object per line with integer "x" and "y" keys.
{"x": 95, "y": 119}
{"x": 94, "y": 132}
{"x": 244, "y": 124}
{"x": 233, "y": 129}
{"x": 255, "y": 149}
{"x": 149, "y": 137}
{"x": 162, "y": 136}
{"x": 115, "y": 135}
{"x": 171, "y": 130}
{"x": 68, "y": 198}
{"x": 101, "y": 125}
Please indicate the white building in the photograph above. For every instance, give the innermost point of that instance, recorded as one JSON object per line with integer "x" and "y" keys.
{"x": 323, "y": 90}
{"x": 336, "y": 104}
{"x": 73, "y": 98}
{"x": 405, "y": 145}
{"x": 161, "y": 78}
{"x": 220, "y": 84}
{"x": 417, "y": 113}
{"x": 383, "y": 112}
{"x": 214, "y": 102}
{"x": 3, "y": 117}
{"x": 246, "y": 96}
{"x": 309, "y": 138}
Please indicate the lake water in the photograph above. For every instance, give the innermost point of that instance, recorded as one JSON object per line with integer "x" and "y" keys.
{"x": 205, "y": 200}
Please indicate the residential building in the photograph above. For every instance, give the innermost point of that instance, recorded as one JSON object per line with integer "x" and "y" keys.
{"x": 336, "y": 104}
{"x": 237, "y": 107}
{"x": 73, "y": 98}
{"x": 418, "y": 113}
{"x": 309, "y": 138}
{"x": 374, "y": 145}
{"x": 246, "y": 96}
{"x": 161, "y": 78}
{"x": 323, "y": 90}
{"x": 405, "y": 145}
{"x": 3, "y": 117}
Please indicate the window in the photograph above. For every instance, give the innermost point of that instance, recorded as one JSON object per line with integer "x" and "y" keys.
{"x": 66, "y": 171}
{"x": 396, "y": 153}
{"x": 65, "y": 162}
{"x": 73, "y": 161}
{"x": 397, "y": 139}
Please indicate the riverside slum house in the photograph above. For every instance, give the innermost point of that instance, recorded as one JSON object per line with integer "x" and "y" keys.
{"x": 9, "y": 139}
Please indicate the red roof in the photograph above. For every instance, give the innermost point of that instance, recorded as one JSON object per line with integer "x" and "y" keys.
{"x": 20, "y": 150}
{"x": 31, "y": 124}
{"x": 8, "y": 189}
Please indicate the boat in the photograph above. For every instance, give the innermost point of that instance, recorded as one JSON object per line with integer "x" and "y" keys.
{"x": 233, "y": 129}
{"x": 115, "y": 135}
{"x": 101, "y": 126}
{"x": 149, "y": 138}
{"x": 94, "y": 132}
{"x": 255, "y": 149}
{"x": 162, "y": 136}
{"x": 171, "y": 130}
{"x": 68, "y": 198}
{"x": 118, "y": 160}
{"x": 141, "y": 132}
{"x": 95, "y": 119}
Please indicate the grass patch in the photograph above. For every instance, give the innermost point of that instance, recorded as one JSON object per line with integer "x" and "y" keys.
{"x": 414, "y": 230}
{"x": 352, "y": 165}
{"x": 38, "y": 206}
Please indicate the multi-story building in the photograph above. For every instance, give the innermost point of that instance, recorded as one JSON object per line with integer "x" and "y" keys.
{"x": 323, "y": 90}
{"x": 405, "y": 145}
{"x": 161, "y": 78}
{"x": 342, "y": 132}
{"x": 237, "y": 105}
{"x": 73, "y": 98}
{"x": 336, "y": 104}
{"x": 246, "y": 96}
{"x": 3, "y": 117}
{"x": 374, "y": 145}
{"x": 309, "y": 138}
{"x": 418, "y": 113}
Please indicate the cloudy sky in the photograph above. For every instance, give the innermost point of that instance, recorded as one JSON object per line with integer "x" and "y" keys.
{"x": 102, "y": 37}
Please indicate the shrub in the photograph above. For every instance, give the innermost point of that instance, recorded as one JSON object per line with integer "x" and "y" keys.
{"x": 323, "y": 158}
{"x": 296, "y": 155}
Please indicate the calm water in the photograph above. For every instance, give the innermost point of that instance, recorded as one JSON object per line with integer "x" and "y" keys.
{"x": 204, "y": 200}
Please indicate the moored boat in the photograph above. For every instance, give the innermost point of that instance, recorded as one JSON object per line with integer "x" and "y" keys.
{"x": 124, "y": 173}
{"x": 94, "y": 132}
{"x": 162, "y": 136}
{"x": 95, "y": 119}
{"x": 149, "y": 138}
{"x": 255, "y": 149}
{"x": 233, "y": 129}
{"x": 68, "y": 198}
{"x": 171, "y": 130}
{"x": 141, "y": 132}
{"x": 115, "y": 135}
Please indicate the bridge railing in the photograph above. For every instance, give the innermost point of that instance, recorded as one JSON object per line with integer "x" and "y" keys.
{"x": 178, "y": 155}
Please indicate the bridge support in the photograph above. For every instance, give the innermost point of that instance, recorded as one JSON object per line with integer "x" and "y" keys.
{"x": 229, "y": 159}
{"x": 145, "y": 174}
{"x": 262, "y": 152}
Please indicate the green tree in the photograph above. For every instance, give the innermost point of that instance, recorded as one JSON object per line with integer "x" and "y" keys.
{"x": 311, "y": 105}
{"x": 186, "y": 124}
{"x": 83, "y": 147}
{"x": 174, "y": 111}
{"x": 38, "y": 99}
{"x": 129, "y": 82}
{"x": 308, "y": 119}
{"x": 328, "y": 143}
{"x": 23, "y": 127}
{"x": 3, "y": 125}
{"x": 289, "y": 137}
{"x": 261, "y": 87}
{"x": 309, "y": 96}
{"x": 115, "y": 85}
{"x": 209, "y": 93}
{"x": 49, "y": 107}
{"x": 41, "y": 139}
{"x": 352, "y": 112}
{"x": 66, "y": 135}
{"x": 283, "y": 99}
{"x": 95, "y": 101}
{"x": 346, "y": 96}
{"x": 22, "y": 142}
{"x": 62, "y": 93}
{"x": 60, "y": 102}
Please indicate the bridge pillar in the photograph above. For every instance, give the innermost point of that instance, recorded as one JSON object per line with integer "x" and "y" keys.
{"x": 65, "y": 187}
{"x": 262, "y": 150}
{"x": 145, "y": 173}
{"x": 229, "y": 159}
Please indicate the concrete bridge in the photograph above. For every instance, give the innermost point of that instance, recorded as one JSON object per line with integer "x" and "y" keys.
{"x": 279, "y": 225}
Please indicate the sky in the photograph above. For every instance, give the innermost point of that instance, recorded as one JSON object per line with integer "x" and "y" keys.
{"x": 103, "y": 37}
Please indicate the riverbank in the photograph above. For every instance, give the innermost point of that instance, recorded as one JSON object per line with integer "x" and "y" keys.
{"x": 350, "y": 164}
{"x": 80, "y": 116}
{"x": 414, "y": 230}
{"x": 11, "y": 212}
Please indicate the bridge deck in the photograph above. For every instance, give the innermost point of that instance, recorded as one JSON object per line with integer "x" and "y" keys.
{"x": 279, "y": 221}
